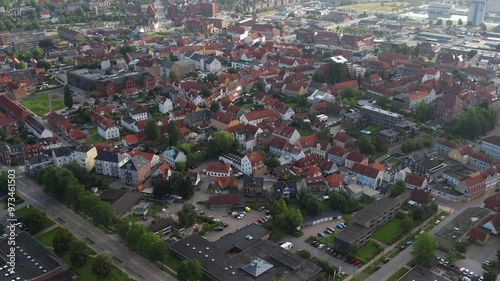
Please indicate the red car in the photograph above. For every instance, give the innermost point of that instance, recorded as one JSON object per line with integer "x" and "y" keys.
{"x": 356, "y": 262}
{"x": 262, "y": 221}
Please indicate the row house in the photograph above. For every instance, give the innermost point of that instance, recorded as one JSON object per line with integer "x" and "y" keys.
{"x": 222, "y": 121}
{"x": 17, "y": 154}
{"x": 491, "y": 146}
{"x": 286, "y": 132}
{"x": 481, "y": 161}
{"x": 218, "y": 170}
{"x": 255, "y": 117}
{"x": 444, "y": 147}
{"x": 108, "y": 163}
{"x": 473, "y": 187}
{"x": 364, "y": 176}
{"x": 246, "y": 134}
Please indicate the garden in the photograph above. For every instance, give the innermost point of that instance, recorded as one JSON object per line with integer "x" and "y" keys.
{"x": 39, "y": 104}
{"x": 390, "y": 232}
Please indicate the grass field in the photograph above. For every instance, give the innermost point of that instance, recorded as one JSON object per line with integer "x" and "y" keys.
{"x": 398, "y": 274}
{"x": 39, "y": 104}
{"x": 28, "y": 209}
{"x": 328, "y": 240}
{"x": 368, "y": 251}
{"x": 93, "y": 137}
{"x": 380, "y": 7}
{"x": 46, "y": 238}
{"x": 85, "y": 272}
{"x": 389, "y": 233}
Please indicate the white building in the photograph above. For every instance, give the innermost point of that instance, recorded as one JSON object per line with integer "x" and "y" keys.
{"x": 108, "y": 163}
{"x": 108, "y": 132}
{"x": 84, "y": 155}
{"x": 165, "y": 105}
{"x": 173, "y": 156}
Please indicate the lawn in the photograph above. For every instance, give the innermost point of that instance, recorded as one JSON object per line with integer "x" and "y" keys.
{"x": 93, "y": 137}
{"x": 402, "y": 271}
{"x": 46, "y": 238}
{"x": 368, "y": 251}
{"x": 389, "y": 233}
{"x": 85, "y": 272}
{"x": 39, "y": 104}
{"x": 328, "y": 240}
{"x": 377, "y": 6}
{"x": 28, "y": 209}
{"x": 305, "y": 132}
{"x": 393, "y": 160}
{"x": 247, "y": 106}
{"x": 346, "y": 217}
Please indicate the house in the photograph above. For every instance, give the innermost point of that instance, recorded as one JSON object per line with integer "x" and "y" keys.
{"x": 286, "y": 132}
{"x": 84, "y": 155}
{"x": 343, "y": 140}
{"x": 355, "y": 157}
{"x": 337, "y": 154}
{"x": 365, "y": 176}
{"x": 226, "y": 183}
{"x": 255, "y": 117}
{"x": 320, "y": 149}
{"x": 253, "y": 164}
{"x": 481, "y": 161}
{"x": 163, "y": 172}
{"x": 165, "y": 105}
{"x": 166, "y": 226}
{"x": 36, "y": 163}
{"x": 246, "y": 134}
{"x": 491, "y": 146}
{"x": 447, "y": 107}
{"x": 130, "y": 140}
{"x": 135, "y": 171}
{"x": 221, "y": 120}
{"x": 492, "y": 203}
{"x": 286, "y": 190}
{"x": 335, "y": 182}
{"x": 472, "y": 187}
{"x": 107, "y": 129}
{"x": 108, "y": 163}
{"x": 493, "y": 224}
{"x": 253, "y": 186}
{"x": 421, "y": 196}
{"x": 152, "y": 158}
{"x": 37, "y": 129}
{"x": 479, "y": 236}
{"x": 423, "y": 164}
{"x": 62, "y": 155}
{"x": 137, "y": 112}
{"x": 327, "y": 167}
{"x": 376, "y": 214}
{"x": 414, "y": 181}
{"x": 353, "y": 234}
{"x": 218, "y": 170}
{"x": 8, "y": 125}
{"x": 121, "y": 200}
{"x": 444, "y": 147}
{"x": 173, "y": 156}
{"x": 50, "y": 143}
{"x": 226, "y": 201}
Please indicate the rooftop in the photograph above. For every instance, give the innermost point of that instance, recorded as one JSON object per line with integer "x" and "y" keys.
{"x": 420, "y": 273}
{"x": 239, "y": 239}
{"x": 352, "y": 232}
{"x": 374, "y": 210}
{"x": 462, "y": 224}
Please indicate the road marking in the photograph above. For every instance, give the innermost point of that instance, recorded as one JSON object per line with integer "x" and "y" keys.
{"x": 26, "y": 195}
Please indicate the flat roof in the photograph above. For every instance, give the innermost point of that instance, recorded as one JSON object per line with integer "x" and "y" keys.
{"x": 462, "y": 223}
{"x": 374, "y": 210}
{"x": 438, "y": 35}
{"x": 352, "y": 232}
{"x": 381, "y": 111}
{"x": 418, "y": 273}
{"x": 34, "y": 258}
{"x": 239, "y": 239}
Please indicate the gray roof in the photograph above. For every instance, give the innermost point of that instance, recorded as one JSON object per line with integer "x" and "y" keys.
{"x": 257, "y": 267}
{"x": 35, "y": 124}
{"x": 239, "y": 238}
{"x": 110, "y": 156}
{"x": 183, "y": 63}
{"x": 84, "y": 148}
{"x": 63, "y": 151}
{"x": 135, "y": 164}
{"x": 420, "y": 273}
{"x": 374, "y": 210}
{"x": 329, "y": 214}
{"x": 463, "y": 223}
{"x": 112, "y": 195}
{"x": 164, "y": 223}
{"x": 126, "y": 202}
{"x": 352, "y": 233}
{"x": 38, "y": 159}
{"x": 128, "y": 120}
{"x": 251, "y": 181}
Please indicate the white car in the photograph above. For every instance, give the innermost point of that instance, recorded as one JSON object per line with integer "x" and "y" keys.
{"x": 442, "y": 217}
{"x": 437, "y": 221}
{"x": 321, "y": 246}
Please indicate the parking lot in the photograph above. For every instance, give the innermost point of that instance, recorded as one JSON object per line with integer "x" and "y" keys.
{"x": 300, "y": 243}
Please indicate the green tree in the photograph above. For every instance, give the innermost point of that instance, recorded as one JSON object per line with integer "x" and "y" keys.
{"x": 4, "y": 180}
{"x": 424, "y": 249}
{"x": 424, "y": 111}
{"x": 211, "y": 77}
{"x": 232, "y": 70}
{"x": 68, "y": 97}
{"x": 187, "y": 215}
{"x": 449, "y": 23}
{"x": 189, "y": 270}
{"x": 349, "y": 93}
{"x": 366, "y": 145}
{"x": 406, "y": 224}
{"x": 309, "y": 203}
{"x": 273, "y": 162}
{"x": 327, "y": 54}
{"x": 214, "y": 106}
{"x": 324, "y": 134}
{"x": 483, "y": 27}
{"x": 102, "y": 267}
{"x": 399, "y": 188}
{"x": 103, "y": 214}
{"x": 290, "y": 220}
{"x": 173, "y": 75}
{"x": 352, "y": 251}
{"x": 461, "y": 246}
{"x": 383, "y": 102}
{"x": 224, "y": 141}
{"x": 37, "y": 53}
{"x": 152, "y": 130}
{"x": 172, "y": 57}
{"x": 127, "y": 49}
{"x": 460, "y": 22}
{"x": 34, "y": 221}
{"x": 22, "y": 65}
{"x": 78, "y": 253}
{"x": 278, "y": 207}
{"x": 62, "y": 241}
{"x": 452, "y": 256}
{"x": 439, "y": 22}
{"x": 260, "y": 85}
{"x": 173, "y": 133}
{"x": 490, "y": 275}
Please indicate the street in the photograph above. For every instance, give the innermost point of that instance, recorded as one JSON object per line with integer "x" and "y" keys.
{"x": 132, "y": 264}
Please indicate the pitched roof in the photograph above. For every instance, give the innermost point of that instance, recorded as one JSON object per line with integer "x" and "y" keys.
{"x": 478, "y": 234}
{"x": 414, "y": 179}
{"x": 365, "y": 170}
{"x": 218, "y": 168}
{"x": 495, "y": 221}
{"x": 225, "y": 199}
{"x": 494, "y": 140}
{"x": 356, "y": 157}
{"x": 255, "y": 157}
{"x": 335, "y": 181}
{"x": 260, "y": 114}
{"x": 420, "y": 196}
{"x": 493, "y": 202}
{"x": 337, "y": 151}
{"x": 447, "y": 143}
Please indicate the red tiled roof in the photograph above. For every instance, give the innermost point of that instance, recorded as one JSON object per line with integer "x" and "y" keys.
{"x": 225, "y": 199}
{"x": 335, "y": 181}
{"x": 420, "y": 196}
{"x": 478, "y": 234}
{"x": 356, "y": 157}
{"x": 337, "y": 151}
{"x": 365, "y": 170}
{"x": 494, "y": 140}
{"x": 415, "y": 180}
{"x": 418, "y": 95}
{"x": 225, "y": 182}
{"x": 260, "y": 114}
{"x": 218, "y": 168}
{"x": 493, "y": 202}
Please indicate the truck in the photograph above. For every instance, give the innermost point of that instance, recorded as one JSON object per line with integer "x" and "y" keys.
{"x": 286, "y": 245}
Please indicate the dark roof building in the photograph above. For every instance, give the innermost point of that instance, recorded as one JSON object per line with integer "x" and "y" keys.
{"x": 353, "y": 234}
{"x": 420, "y": 273}
{"x": 121, "y": 200}
{"x": 376, "y": 214}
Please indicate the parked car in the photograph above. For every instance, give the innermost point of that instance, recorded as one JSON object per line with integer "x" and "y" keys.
{"x": 321, "y": 246}
{"x": 327, "y": 231}
{"x": 262, "y": 209}
{"x": 356, "y": 262}
{"x": 321, "y": 235}
{"x": 331, "y": 229}
{"x": 437, "y": 221}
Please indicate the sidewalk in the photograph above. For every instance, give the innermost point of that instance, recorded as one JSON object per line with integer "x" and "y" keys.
{"x": 47, "y": 230}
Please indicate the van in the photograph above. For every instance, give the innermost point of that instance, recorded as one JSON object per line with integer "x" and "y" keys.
{"x": 286, "y": 245}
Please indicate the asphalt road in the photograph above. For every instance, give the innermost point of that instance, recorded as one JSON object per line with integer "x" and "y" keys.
{"x": 132, "y": 264}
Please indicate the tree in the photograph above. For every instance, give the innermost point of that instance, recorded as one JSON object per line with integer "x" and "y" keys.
{"x": 365, "y": 144}
{"x": 406, "y": 224}
{"x": 127, "y": 49}
{"x": 324, "y": 134}
{"x": 490, "y": 275}
{"x": 424, "y": 249}
{"x": 4, "y": 180}
{"x": 460, "y": 22}
{"x": 278, "y": 207}
{"x": 214, "y": 106}
{"x": 452, "y": 256}
{"x": 34, "y": 221}
{"x": 439, "y": 22}
{"x": 461, "y": 246}
{"x": 260, "y": 86}
{"x": 290, "y": 220}
{"x": 187, "y": 215}
{"x": 152, "y": 130}
{"x": 327, "y": 54}
{"x": 189, "y": 270}
{"x": 62, "y": 241}
{"x": 309, "y": 203}
{"x": 232, "y": 70}
{"x": 173, "y": 75}
{"x": 101, "y": 267}
{"x": 352, "y": 251}
{"x": 173, "y": 133}
{"x": 78, "y": 253}
{"x": 44, "y": 64}
{"x": 483, "y": 27}
{"x": 103, "y": 214}
{"x": 224, "y": 141}
{"x": 399, "y": 188}
{"x": 68, "y": 97}
{"x": 383, "y": 102}
{"x": 449, "y": 23}
{"x": 211, "y": 77}
{"x": 273, "y": 162}
{"x": 424, "y": 111}
{"x": 172, "y": 57}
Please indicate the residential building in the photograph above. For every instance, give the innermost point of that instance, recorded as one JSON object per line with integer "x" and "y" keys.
{"x": 253, "y": 164}
{"x": 108, "y": 163}
{"x": 137, "y": 111}
{"x": 337, "y": 154}
{"x": 355, "y": 157}
{"x": 246, "y": 134}
{"x": 62, "y": 155}
{"x": 491, "y": 146}
{"x": 36, "y": 163}
{"x": 173, "y": 156}
{"x": 165, "y": 105}
{"x": 70, "y": 35}
{"x": 415, "y": 181}
{"x": 492, "y": 203}
{"x": 481, "y": 161}
{"x": 255, "y": 117}
{"x": 164, "y": 171}
{"x": 84, "y": 155}
{"x": 472, "y": 187}
{"x": 214, "y": 169}
{"x": 381, "y": 118}
{"x": 8, "y": 125}
{"x": 353, "y": 234}
{"x": 135, "y": 171}
{"x": 376, "y": 214}
{"x": 447, "y": 107}
{"x": 286, "y": 190}
{"x": 253, "y": 186}
{"x": 477, "y": 10}
{"x": 444, "y": 147}
{"x": 222, "y": 121}
{"x": 423, "y": 164}
{"x": 493, "y": 224}
{"x": 37, "y": 128}
{"x": 365, "y": 176}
